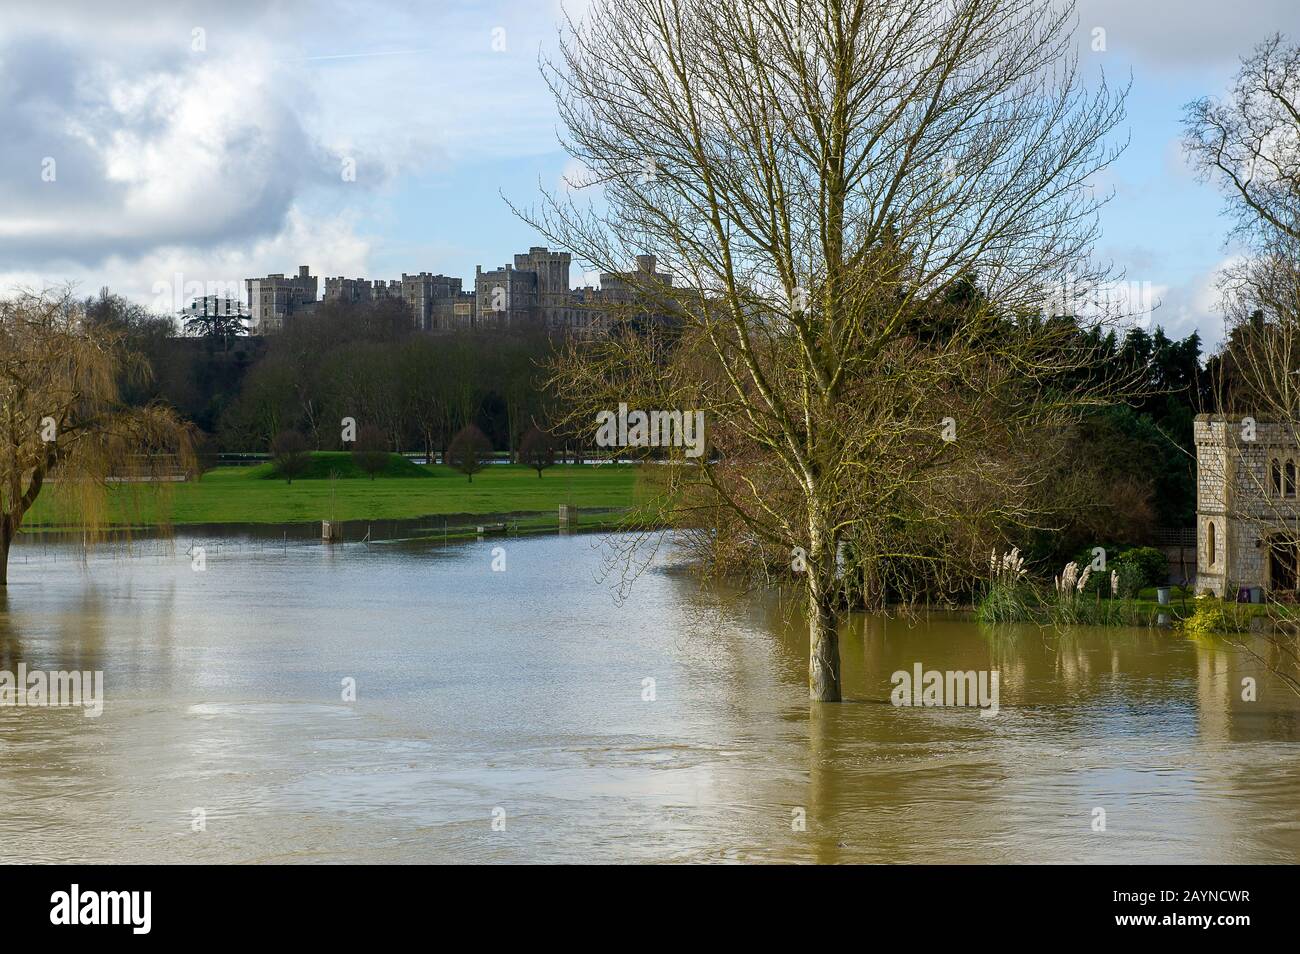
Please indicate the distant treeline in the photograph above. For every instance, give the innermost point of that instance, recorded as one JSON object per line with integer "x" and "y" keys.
{"x": 1134, "y": 462}
{"x": 343, "y": 360}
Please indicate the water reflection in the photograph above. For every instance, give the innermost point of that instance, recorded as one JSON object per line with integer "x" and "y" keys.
{"x": 526, "y": 690}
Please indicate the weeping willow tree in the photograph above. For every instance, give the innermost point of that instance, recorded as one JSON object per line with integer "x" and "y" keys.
{"x": 64, "y": 429}
{"x": 821, "y": 179}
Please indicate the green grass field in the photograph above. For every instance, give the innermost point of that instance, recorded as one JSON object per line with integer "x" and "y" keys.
{"x": 255, "y": 495}
{"x": 325, "y": 463}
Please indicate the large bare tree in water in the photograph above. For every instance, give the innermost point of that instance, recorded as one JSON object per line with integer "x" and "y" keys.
{"x": 61, "y": 417}
{"x": 864, "y": 204}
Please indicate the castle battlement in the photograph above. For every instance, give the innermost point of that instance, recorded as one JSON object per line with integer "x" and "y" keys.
{"x": 1247, "y": 503}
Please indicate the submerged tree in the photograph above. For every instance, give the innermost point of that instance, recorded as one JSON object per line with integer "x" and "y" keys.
{"x": 62, "y": 419}
{"x": 863, "y": 205}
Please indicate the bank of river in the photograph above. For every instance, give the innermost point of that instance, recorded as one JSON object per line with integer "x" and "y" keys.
{"x": 240, "y": 495}
{"x": 522, "y": 693}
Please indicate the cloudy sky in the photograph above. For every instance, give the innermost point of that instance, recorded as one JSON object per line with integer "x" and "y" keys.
{"x": 150, "y": 145}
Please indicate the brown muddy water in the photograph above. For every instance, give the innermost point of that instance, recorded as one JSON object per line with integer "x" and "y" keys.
{"x": 520, "y": 697}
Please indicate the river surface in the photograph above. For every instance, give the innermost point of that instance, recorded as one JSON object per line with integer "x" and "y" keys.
{"x": 506, "y": 716}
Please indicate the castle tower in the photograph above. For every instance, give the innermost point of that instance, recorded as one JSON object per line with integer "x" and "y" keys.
{"x": 1247, "y": 504}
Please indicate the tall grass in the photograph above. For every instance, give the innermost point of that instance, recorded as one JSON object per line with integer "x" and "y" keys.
{"x": 1011, "y": 597}
{"x": 1008, "y": 603}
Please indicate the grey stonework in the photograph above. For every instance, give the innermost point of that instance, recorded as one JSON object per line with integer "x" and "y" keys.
{"x": 533, "y": 291}
{"x": 1247, "y": 508}
{"x": 432, "y": 299}
{"x": 274, "y": 298}
{"x": 437, "y": 302}
{"x": 505, "y": 296}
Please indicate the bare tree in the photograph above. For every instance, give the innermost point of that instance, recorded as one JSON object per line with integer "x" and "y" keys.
{"x": 290, "y": 455}
{"x": 826, "y": 182}
{"x": 469, "y": 451}
{"x": 370, "y": 451}
{"x": 1249, "y": 143}
{"x": 420, "y": 367}
{"x": 62, "y": 419}
{"x": 537, "y": 450}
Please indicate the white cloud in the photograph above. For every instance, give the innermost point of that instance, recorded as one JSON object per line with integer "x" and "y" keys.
{"x": 228, "y": 158}
{"x": 167, "y": 278}
{"x": 1186, "y": 34}
{"x": 211, "y": 157}
{"x": 1194, "y": 305}
{"x": 117, "y": 157}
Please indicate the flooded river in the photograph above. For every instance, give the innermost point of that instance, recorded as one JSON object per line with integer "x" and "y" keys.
{"x": 525, "y": 714}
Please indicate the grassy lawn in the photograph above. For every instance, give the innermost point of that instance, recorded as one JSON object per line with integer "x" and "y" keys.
{"x": 1182, "y": 604}
{"x": 254, "y": 495}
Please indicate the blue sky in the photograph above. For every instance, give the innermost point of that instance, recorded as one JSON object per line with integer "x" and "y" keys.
{"x": 200, "y": 142}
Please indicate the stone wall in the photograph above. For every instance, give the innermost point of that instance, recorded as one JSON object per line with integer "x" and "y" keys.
{"x": 1239, "y": 497}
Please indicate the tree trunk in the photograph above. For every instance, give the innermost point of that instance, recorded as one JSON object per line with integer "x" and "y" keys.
{"x": 823, "y": 641}
{"x": 9, "y": 524}
{"x": 823, "y": 637}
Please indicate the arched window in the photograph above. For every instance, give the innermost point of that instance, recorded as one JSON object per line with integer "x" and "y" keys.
{"x": 1288, "y": 479}
{"x": 1210, "y": 543}
{"x": 1275, "y": 477}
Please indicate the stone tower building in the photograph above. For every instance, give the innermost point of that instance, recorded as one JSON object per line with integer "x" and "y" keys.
{"x": 552, "y": 270}
{"x": 274, "y": 298}
{"x": 505, "y": 296}
{"x": 1247, "y": 509}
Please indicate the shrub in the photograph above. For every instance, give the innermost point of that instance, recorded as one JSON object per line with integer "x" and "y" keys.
{"x": 1152, "y": 563}
{"x": 370, "y": 450}
{"x": 537, "y": 450}
{"x": 290, "y": 454}
{"x": 1150, "y": 567}
{"x": 469, "y": 451}
{"x": 1207, "y": 619}
{"x": 1132, "y": 580}
{"x": 1213, "y": 616}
